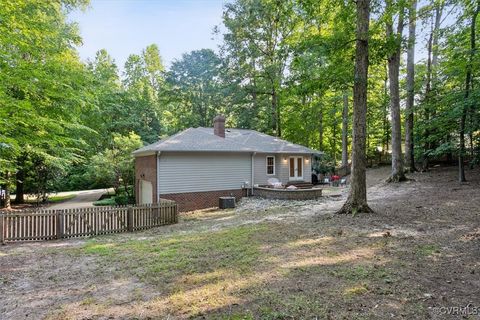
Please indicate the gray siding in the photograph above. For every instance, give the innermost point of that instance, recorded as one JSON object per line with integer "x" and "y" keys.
{"x": 307, "y": 173}
{"x": 260, "y": 168}
{"x": 197, "y": 171}
{"x": 281, "y": 168}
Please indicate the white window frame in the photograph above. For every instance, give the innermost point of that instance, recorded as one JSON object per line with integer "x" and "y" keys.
{"x": 266, "y": 165}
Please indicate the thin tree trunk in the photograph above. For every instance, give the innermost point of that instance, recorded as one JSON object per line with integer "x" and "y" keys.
{"x": 19, "y": 180}
{"x": 345, "y": 130}
{"x": 432, "y": 62}
{"x": 461, "y": 153}
{"x": 7, "y": 192}
{"x": 386, "y": 129}
{"x": 278, "y": 119}
{"x": 334, "y": 141}
{"x": 434, "y": 68}
{"x": 409, "y": 144}
{"x": 254, "y": 84}
{"x": 320, "y": 129}
{"x": 426, "y": 133}
{"x": 397, "y": 174}
{"x": 468, "y": 85}
{"x": 275, "y": 116}
{"x": 19, "y": 187}
{"x": 472, "y": 154}
{"x": 435, "y": 38}
{"x": 357, "y": 198}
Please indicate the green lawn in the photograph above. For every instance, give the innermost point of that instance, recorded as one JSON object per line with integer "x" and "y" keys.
{"x": 265, "y": 271}
{"x": 52, "y": 199}
{"x": 281, "y": 262}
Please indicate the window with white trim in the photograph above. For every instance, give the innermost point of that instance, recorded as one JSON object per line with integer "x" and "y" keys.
{"x": 270, "y": 165}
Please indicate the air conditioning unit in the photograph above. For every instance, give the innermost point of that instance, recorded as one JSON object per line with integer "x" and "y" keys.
{"x": 226, "y": 202}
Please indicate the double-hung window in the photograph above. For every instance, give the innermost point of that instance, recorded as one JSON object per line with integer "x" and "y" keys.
{"x": 270, "y": 165}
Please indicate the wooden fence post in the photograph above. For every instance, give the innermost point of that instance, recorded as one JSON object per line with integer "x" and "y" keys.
{"x": 130, "y": 219}
{"x": 2, "y": 229}
{"x": 175, "y": 219}
{"x": 60, "y": 223}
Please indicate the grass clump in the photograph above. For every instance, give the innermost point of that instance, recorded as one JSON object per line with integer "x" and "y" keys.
{"x": 427, "y": 250}
{"x": 106, "y": 202}
{"x": 356, "y": 290}
{"x": 358, "y": 273}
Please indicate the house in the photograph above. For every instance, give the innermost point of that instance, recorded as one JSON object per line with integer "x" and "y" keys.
{"x": 198, "y": 165}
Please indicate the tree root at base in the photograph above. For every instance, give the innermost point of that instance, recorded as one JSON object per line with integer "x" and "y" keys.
{"x": 397, "y": 178}
{"x": 354, "y": 208}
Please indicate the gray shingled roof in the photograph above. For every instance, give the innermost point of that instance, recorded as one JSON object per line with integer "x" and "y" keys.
{"x": 236, "y": 140}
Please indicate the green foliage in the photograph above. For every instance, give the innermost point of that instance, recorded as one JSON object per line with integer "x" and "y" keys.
{"x": 106, "y": 202}
{"x": 114, "y": 166}
{"x": 283, "y": 68}
{"x": 194, "y": 91}
{"x": 42, "y": 87}
{"x": 323, "y": 164}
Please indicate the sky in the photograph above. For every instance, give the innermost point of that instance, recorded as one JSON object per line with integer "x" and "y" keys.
{"x": 124, "y": 27}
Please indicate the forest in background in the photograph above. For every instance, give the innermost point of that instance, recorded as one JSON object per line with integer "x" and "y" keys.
{"x": 285, "y": 68}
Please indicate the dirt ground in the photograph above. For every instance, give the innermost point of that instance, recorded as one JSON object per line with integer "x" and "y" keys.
{"x": 416, "y": 257}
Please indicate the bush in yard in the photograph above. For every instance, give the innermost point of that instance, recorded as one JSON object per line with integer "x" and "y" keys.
{"x": 115, "y": 166}
{"x": 323, "y": 164}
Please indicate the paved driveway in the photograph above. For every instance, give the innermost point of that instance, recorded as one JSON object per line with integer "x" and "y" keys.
{"x": 83, "y": 199}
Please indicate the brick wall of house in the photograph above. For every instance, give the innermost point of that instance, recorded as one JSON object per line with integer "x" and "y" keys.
{"x": 146, "y": 169}
{"x": 201, "y": 200}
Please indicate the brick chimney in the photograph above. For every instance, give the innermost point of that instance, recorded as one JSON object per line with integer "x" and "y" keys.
{"x": 219, "y": 126}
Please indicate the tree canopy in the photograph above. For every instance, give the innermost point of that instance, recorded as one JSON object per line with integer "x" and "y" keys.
{"x": 285, "y": 68}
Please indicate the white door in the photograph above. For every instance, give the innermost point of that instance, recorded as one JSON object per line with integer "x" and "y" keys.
{"x": 146, "y": 192}
{"x": 296, "y": 168}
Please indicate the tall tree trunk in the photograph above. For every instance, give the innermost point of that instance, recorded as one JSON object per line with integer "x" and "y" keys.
{"x": 345, "y": 130}
{"x": 409, "y": 146}
{"x": 461, "y": 153}
{"x": 19, "y": 180}
{"x": 320, "y": 129}
{"x": 435, "y": 51}
{"x": 386, "y": 129}
{"x": 426, "y": 133}
{"x": 468, "y": 85}
{"x": 275, "y": 113}
{"x": 393, "y": 74}
{"x": 19, "y": 189}
{"x": 278, "y": 119}
{"x": 357, "y": 197}
{"x": 472, "y": 148}
{"x": 432, "y": 62}
{"x": 334, "y": 141}
{"x": 7, "y": 191}
{"x": 435, "y": 38}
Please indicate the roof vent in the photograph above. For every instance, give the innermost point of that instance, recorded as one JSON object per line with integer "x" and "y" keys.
{"x": 219, "y": 126}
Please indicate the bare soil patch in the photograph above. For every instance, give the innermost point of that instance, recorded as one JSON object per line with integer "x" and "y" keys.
{"x": 418, "y": 253}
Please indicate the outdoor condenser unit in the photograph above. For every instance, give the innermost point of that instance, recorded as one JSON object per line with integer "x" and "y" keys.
{"x": 226, "y": 202}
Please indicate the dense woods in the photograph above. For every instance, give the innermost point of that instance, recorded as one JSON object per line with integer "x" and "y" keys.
{"x": 286, "y": 68}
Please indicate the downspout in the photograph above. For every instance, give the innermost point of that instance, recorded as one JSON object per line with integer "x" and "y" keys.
{"x": 253, "y": 172}
{"x": 157, "y": 187}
